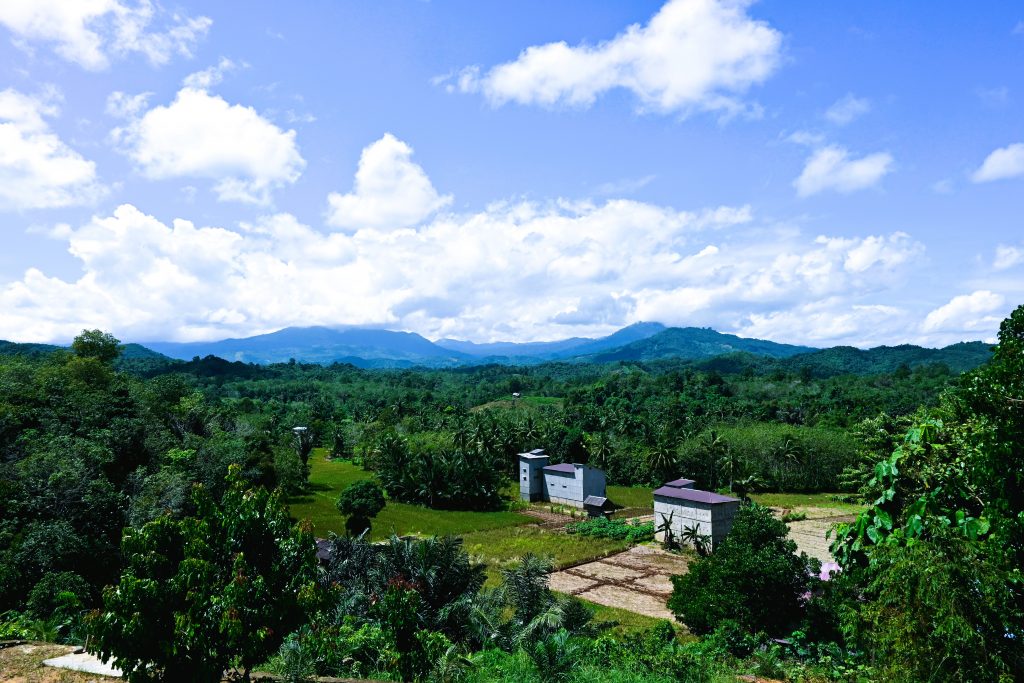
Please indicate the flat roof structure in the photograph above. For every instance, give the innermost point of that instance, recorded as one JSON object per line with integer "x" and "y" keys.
{"x": 561, "y": 468}
{"x": 694, "y": 496}
{"x": 681, "y": 483}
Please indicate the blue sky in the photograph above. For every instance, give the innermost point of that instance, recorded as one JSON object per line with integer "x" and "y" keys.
{"x": 811, "y": 173}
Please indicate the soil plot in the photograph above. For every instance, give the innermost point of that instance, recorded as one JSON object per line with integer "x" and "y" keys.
{"x": 638, "y": 580}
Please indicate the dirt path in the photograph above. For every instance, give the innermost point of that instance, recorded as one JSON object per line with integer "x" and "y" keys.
{"x": 548, "y": 520}
{"x": 638, "y": 580}
{"x": 810, "y": 533}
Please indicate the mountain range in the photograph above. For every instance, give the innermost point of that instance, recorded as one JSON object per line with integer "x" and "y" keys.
{"x": 376, "y": 347}
{"x": 640, "y": 342}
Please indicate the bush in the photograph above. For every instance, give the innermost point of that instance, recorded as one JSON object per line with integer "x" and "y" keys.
{"x": 61, "y": 595}
{"x": 754, "y": 579}
{"x": 617, "y": 529}
{"x": 361, "y": 501}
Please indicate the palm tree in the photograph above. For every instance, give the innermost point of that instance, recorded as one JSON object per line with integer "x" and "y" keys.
{"x": 668, "y": 540}
{"x": 599, "y": 447}
{"x": 700, "y": 542}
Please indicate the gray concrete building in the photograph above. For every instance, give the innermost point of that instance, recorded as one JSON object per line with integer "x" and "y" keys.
{"x": 684, "y": 507}
{"x": 565, "y": 483}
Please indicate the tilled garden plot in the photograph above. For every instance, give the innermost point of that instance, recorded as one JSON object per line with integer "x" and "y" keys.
{"x": 638, "y": 580}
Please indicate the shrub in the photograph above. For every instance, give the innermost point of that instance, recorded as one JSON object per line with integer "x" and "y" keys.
{"x": 361, "y": 501}
{"x": 754, "y": 578}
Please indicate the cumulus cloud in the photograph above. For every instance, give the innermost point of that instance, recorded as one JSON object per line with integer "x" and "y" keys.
{"x": 1007, "y": 257}
{"x": 1005, "y": 162}
{"x": 832, "y": 168}
{"x": 691, "y": 55}
{"x": 829, "y": 321}
{"x": 200, "y": 135}
{"x": 518, "y": 270}
{"x": 847, "y": 109}
{"x": 966, "y": 314}
{"x": 391, "y": 191}
{"x": 91, "y": 32}
{"x": 37, "y": 169}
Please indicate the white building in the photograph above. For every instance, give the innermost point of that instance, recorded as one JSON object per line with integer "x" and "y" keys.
{"x": 566, "y": 483}
{"x": 684, "y": 507}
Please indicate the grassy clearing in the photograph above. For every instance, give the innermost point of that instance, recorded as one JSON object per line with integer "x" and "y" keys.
{"x": 626, "y": 621}
{"x": 502, "y": 547}
{"x": 328, "y": 478}
{"x": 631, "y": 496}
{"x": 526, "y": 402}
{"x": 795, "y": 501}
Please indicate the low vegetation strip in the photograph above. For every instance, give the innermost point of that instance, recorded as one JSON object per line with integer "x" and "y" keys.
{"x": 618, "y": 529}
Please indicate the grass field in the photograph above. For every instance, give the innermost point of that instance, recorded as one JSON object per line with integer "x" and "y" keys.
{"x": 328, "y": 478}
{"x": 626, "y": 621}
{"x": 805, "y": 500}
{"x": 631, "y": 496}
{"x": 501, "y": 547}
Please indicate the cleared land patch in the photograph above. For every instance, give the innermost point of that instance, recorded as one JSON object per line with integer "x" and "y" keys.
{"x": 327, "y": 479}
{"x": 637, "y": 580}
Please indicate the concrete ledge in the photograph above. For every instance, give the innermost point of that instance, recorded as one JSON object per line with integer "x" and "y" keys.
{"x": 84, "y": 663}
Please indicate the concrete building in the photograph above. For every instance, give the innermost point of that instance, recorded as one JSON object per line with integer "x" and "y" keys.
{"x": 684, "y": 507}
{"x": 565, "y": 483}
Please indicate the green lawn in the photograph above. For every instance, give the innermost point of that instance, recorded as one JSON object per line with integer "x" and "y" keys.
{"x": 632, "y": 496}
{"x": 798, "y": 500}
{"x": 626, "y": 621}
{"x": 327, "y": 479}
{"x": 501, "y": 547}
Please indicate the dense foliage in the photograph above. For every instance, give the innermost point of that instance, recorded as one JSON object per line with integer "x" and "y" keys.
{"x": 754, "y": 580}
{"x": 939, "y": 554}
{"x": 203, "y": 592}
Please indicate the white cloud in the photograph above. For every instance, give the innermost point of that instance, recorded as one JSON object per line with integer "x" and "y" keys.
{"x": 514, "y": 270}
{"x": 200, "y": 135}
{"x": 1007, "y": 257}
{"x": 391, "y": 191}
{"x": 210, "y": 76}
{"x": 847, "y": 109}
{"x": 980, "y": 311}
{"x": 832, "y": 168}
{"x": 123, "y": 106}
{"x": 828, "y": 322}
{"x": 37, "y": 169}
{"x": 691, "y": 55}
{"x": 1005, "y": 162}
{"x": 90, "y": 32}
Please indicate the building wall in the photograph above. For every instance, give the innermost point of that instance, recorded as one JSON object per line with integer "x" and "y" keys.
{"x": 714, "y": 521}
{"x": 593, "y": 482}
{"x": 531, "y": 478}
{"x": 563, "y": 488}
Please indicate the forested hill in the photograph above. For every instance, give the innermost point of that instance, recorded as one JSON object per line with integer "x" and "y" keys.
{"x": 696, "y": 342}
{"x": 847, "y": 360}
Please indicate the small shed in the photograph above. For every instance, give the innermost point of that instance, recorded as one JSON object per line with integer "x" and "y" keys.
{"x": 597, "y": 506}
{"x": 681, "y": 483}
